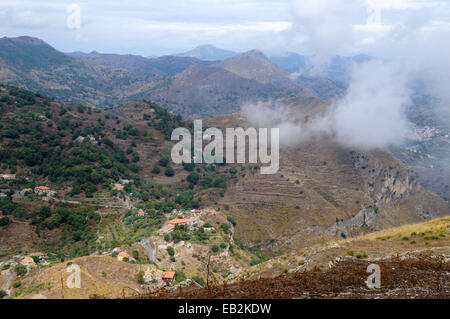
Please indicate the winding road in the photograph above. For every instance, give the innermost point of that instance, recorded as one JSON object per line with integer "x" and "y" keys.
{"x": 147, "y": 245}
{"x": 7, "y": 284}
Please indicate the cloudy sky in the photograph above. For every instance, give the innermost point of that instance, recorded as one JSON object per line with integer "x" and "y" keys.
{"x": 149, "y": 27}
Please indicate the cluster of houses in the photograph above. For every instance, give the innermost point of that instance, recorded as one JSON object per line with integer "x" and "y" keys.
{"x": 28, "y": 261}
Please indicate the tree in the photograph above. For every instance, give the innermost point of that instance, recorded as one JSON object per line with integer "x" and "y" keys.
{"x": 2, "y": 293}
{"x": 170, "y": 251}
{"x": 215, "y": 248}
{"x": 164, "y": 161}
{"x": 156, "y": 170}
{"x": 169, "y": 171}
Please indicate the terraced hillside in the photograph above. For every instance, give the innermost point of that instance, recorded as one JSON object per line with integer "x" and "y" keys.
{"x": 324, "y": 190}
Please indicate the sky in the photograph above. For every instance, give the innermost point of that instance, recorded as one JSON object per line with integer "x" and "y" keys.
{"x": 151, "y": 28}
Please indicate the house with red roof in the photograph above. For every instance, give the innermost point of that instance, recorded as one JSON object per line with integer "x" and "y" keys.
{"x": 27, "y": 261}
{"x": 168, "y": 276}
{"x": 181, "y": 221}
{"x": 118, "y": 187}
{"x": 42, "y": 190}
{"x": 122, "y": 255}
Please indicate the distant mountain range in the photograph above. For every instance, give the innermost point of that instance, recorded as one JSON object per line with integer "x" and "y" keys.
{"x": 203, "y": 82}
{"x": 164, "y": 65}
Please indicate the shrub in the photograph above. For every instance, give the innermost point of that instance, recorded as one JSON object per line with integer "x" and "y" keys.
{"x": 170, "y": 251}
{"x": 189, "y": 166}
{"x": 4, "y": 221}
{"x": 229, "y": 218}
{"x": 17, "y": 284}
{"x": 2, "y": 293}
{"x": 21, "y": 270}
{"x": 179, "y": 276}
{"x": 215, "y": 248}
{"x": 225, "y": 228}
{"x": 255, "y": 261}
{"x": 166, "y": 237}
{"x": 164, "y": 161}
{"x": 135, "y": 254}
{"x": 169, "y": 171}
{"x": 156, "y": 170}
{"x": 199, "y": 280}
{"x": 140, "y": 277}
{"x": 193, "y": 178}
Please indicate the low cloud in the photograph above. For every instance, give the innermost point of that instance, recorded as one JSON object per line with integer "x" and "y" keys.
{"x": 370, "y": 115}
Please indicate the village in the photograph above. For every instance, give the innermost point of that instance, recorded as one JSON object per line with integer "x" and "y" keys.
{"x": 159, "y": 248}
{"x": 162, "y": 253}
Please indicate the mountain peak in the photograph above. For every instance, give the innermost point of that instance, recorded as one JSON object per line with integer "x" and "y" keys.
{"x": 24, "y": 40}
{"x": 254, "y": 53}
{"x": 208, "y": 52}
{"x": 255, "y": 65}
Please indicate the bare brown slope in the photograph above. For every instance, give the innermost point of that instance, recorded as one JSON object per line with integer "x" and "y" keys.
{"x": 254, "y": 65}
{"x": 207, "y": 91}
